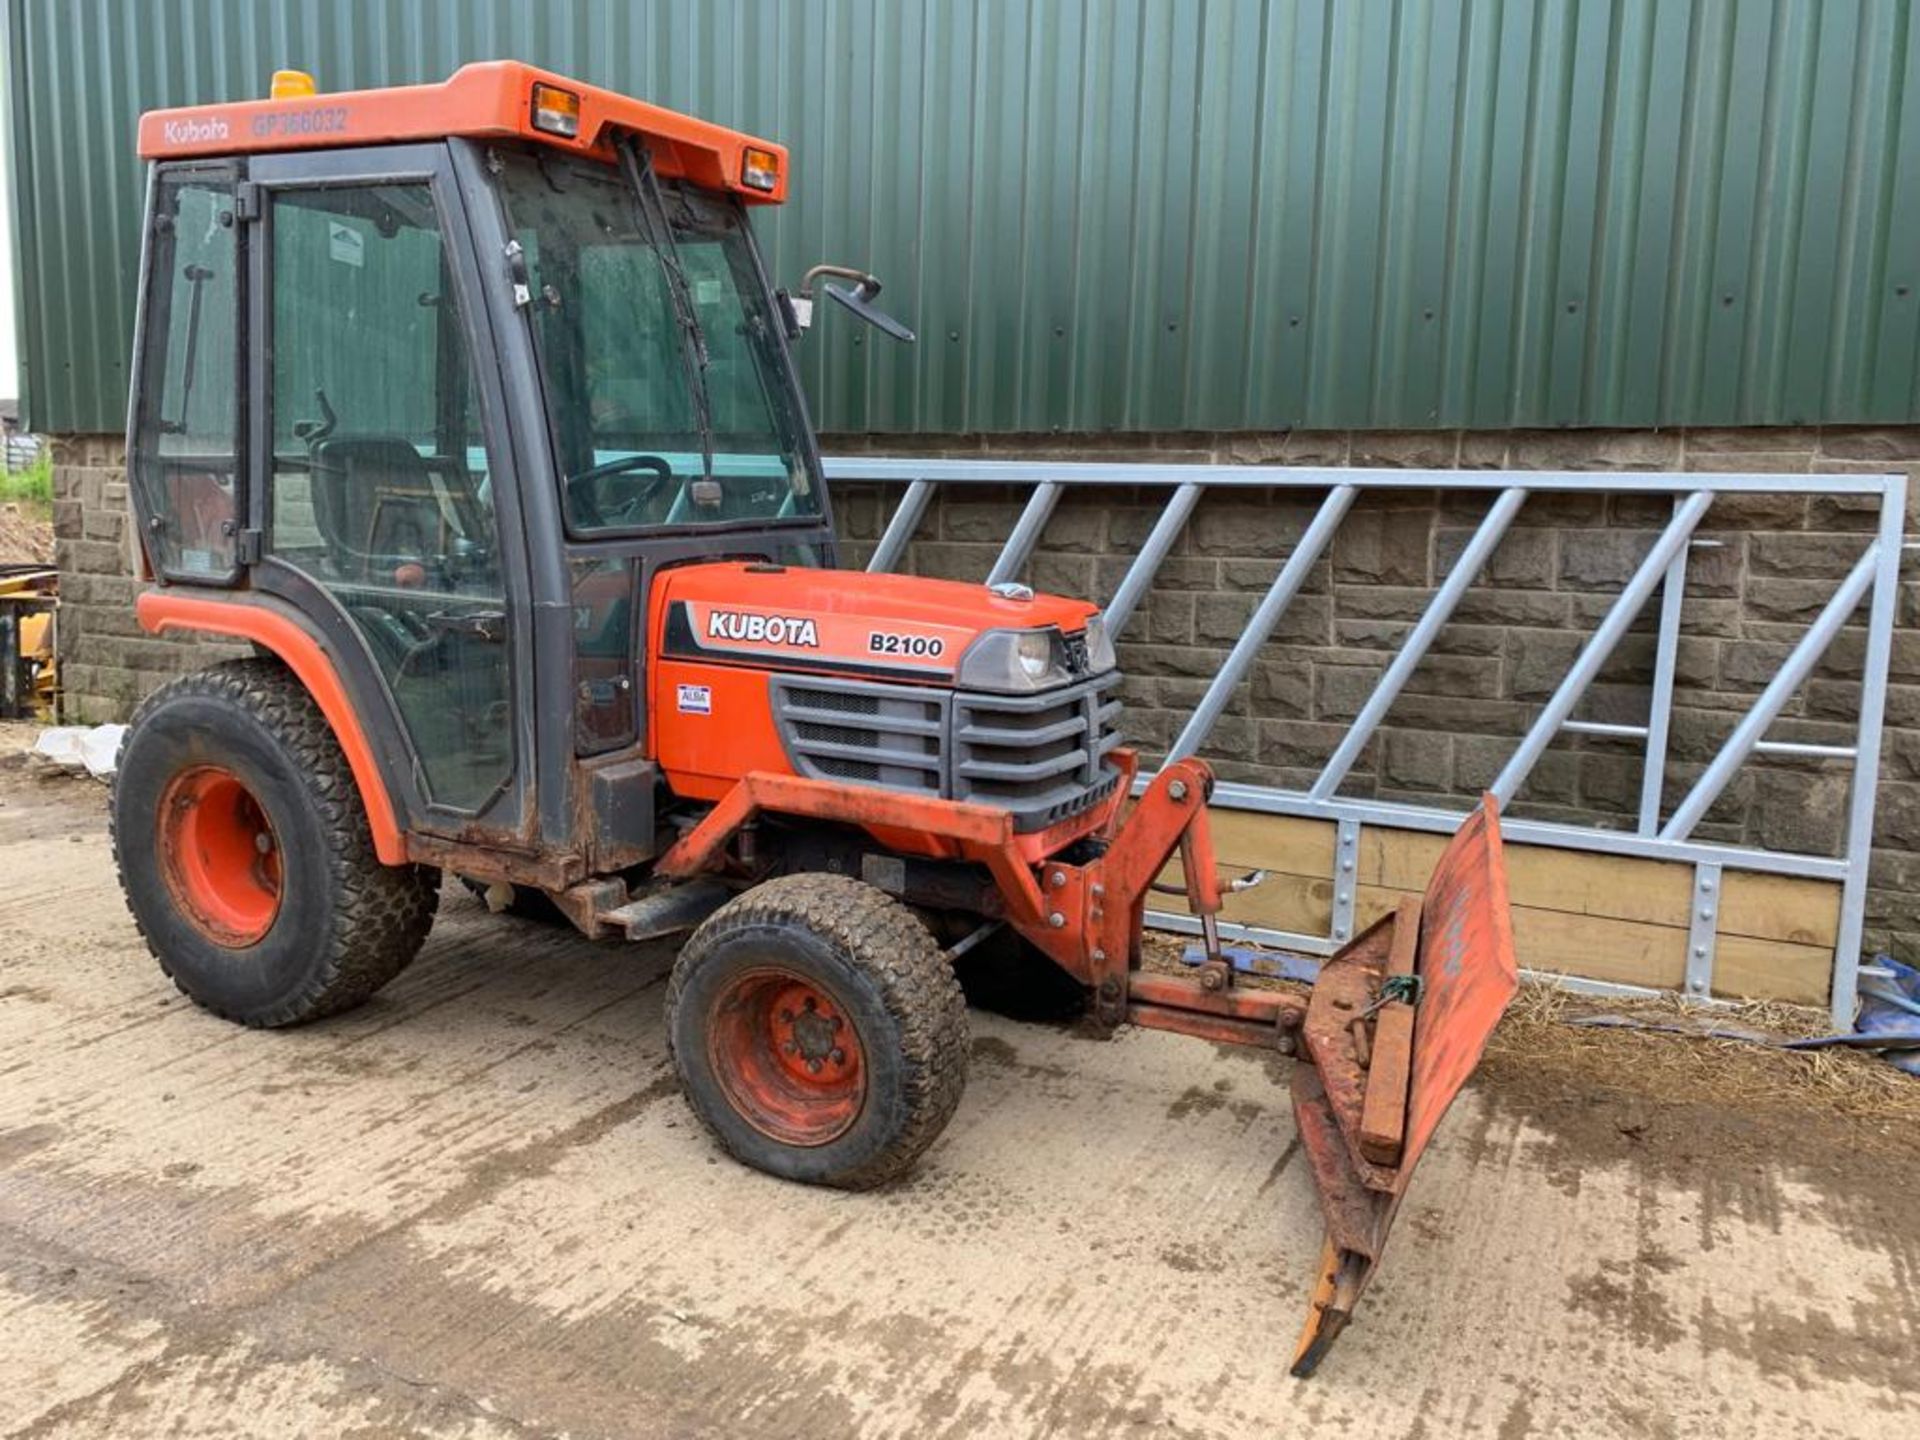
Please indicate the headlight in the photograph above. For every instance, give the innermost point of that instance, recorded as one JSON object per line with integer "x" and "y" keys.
{"x": 1100, "y": 652}
{"x": 1014, "y": 660}
{"x": 1034, "y": 650}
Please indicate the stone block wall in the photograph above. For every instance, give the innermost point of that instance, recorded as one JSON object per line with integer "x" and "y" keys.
{"x": 107, "y": 662}
{"x": 1768, "y": 566}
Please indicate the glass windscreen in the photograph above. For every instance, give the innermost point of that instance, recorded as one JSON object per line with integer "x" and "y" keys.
{"x": 658, "y": 347}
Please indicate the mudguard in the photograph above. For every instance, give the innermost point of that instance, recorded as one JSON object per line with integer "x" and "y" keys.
{"x": 1396, "y": 1023}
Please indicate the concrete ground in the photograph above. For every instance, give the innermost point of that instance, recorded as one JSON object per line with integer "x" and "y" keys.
{"x": 478, "y": 1208}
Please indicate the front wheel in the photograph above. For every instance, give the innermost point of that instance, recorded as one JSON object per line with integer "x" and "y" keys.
{"x": 818, "y": 1031}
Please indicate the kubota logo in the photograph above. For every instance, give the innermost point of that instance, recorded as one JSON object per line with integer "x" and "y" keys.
{"x": 764, "y": 629}
{"x": 192, "y": 132}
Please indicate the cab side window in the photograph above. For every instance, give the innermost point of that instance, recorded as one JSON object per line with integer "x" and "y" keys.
{"x": 380, "y": 471}
{"x": 187, "y": 412}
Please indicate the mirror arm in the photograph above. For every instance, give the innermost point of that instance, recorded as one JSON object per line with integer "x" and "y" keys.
{"x": 798, "y": 308}
{"x": 845, "y": 272}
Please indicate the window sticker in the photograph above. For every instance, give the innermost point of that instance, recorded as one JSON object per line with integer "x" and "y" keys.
{"x": 346, "y": 244}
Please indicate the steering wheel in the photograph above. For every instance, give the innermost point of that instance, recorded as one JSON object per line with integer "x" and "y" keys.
{"x": 643, "y": 494}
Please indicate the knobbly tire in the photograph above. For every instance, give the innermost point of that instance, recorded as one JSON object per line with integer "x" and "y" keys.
{"x": 819, "y": 1031}
{"x": 245, "y": 856}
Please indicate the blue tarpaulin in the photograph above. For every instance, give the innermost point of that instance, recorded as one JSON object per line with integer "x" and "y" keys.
{"x": 1889, "y": 1018}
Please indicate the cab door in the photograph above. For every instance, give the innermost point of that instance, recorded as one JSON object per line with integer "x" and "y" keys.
{"x": 384, "y": 488}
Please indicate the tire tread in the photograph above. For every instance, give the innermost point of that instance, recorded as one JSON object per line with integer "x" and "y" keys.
{"x": 385, "y": 910}
{"x": 886, "y": 939}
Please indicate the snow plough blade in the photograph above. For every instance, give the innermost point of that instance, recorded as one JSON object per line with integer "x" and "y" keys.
{"x": 1396, "y": 1023}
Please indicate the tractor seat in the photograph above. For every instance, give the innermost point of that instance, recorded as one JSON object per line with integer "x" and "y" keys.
{"x": 384, "y": 511}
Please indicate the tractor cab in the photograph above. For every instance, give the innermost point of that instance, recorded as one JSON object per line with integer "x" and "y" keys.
{"x": 451, "y": 373}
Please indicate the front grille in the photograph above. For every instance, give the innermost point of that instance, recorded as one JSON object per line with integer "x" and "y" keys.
{"x": 874, "y": 734}
{"x": 1041, "y": 757}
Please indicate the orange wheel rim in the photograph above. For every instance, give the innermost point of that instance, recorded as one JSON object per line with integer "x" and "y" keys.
{"x": 787, "y": 1056}
{"x": 219, "y": 856}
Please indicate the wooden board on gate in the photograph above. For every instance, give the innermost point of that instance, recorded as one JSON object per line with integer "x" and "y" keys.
{"x": 1605, "y": 917}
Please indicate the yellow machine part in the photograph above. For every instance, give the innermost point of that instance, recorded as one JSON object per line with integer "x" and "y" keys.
{"x": 36, "y": 636}
{"x": 36, "y": 641}
{"x": 31, "y": 582}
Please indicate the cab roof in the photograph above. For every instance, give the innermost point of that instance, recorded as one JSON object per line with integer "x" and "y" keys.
{"x": 489, "y": 100}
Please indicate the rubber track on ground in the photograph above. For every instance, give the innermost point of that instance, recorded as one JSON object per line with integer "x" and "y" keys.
{"x": 386, "y": 910}
{"x": 916, "y": 978}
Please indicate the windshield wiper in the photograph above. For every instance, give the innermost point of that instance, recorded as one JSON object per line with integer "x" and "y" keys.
{"x": 658, "y": 231}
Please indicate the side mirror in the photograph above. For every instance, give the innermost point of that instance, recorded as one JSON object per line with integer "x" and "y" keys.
{"x": 799, "y": 306}
{"x": 860, "y": 301}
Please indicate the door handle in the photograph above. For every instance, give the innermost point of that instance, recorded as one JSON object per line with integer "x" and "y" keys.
{"x": 490, "y": 625}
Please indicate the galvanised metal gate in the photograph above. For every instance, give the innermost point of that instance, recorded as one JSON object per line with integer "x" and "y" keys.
{"x": 1664, "y": 831}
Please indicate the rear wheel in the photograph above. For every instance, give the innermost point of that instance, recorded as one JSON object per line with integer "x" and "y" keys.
{"x": 818, "y": 1031}
{"x": 245, "y": 855}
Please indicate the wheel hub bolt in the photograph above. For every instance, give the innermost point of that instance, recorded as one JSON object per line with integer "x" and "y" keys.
{"x": 813, "y": 1067}
{"x": 263, "y": 842}
{"x": 839, "y": 1056}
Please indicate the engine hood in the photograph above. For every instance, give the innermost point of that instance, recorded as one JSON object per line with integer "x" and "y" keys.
{"x": 891, "y": 626}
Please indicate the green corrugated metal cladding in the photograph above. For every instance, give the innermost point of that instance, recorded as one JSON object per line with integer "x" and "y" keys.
{"x": 1163, "y": 214}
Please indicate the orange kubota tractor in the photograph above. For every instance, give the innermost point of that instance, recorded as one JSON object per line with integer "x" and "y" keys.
{"x": 470, "y": 408}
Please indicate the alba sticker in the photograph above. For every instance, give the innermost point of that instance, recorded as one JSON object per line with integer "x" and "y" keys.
{"x": 696, "y": 700}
